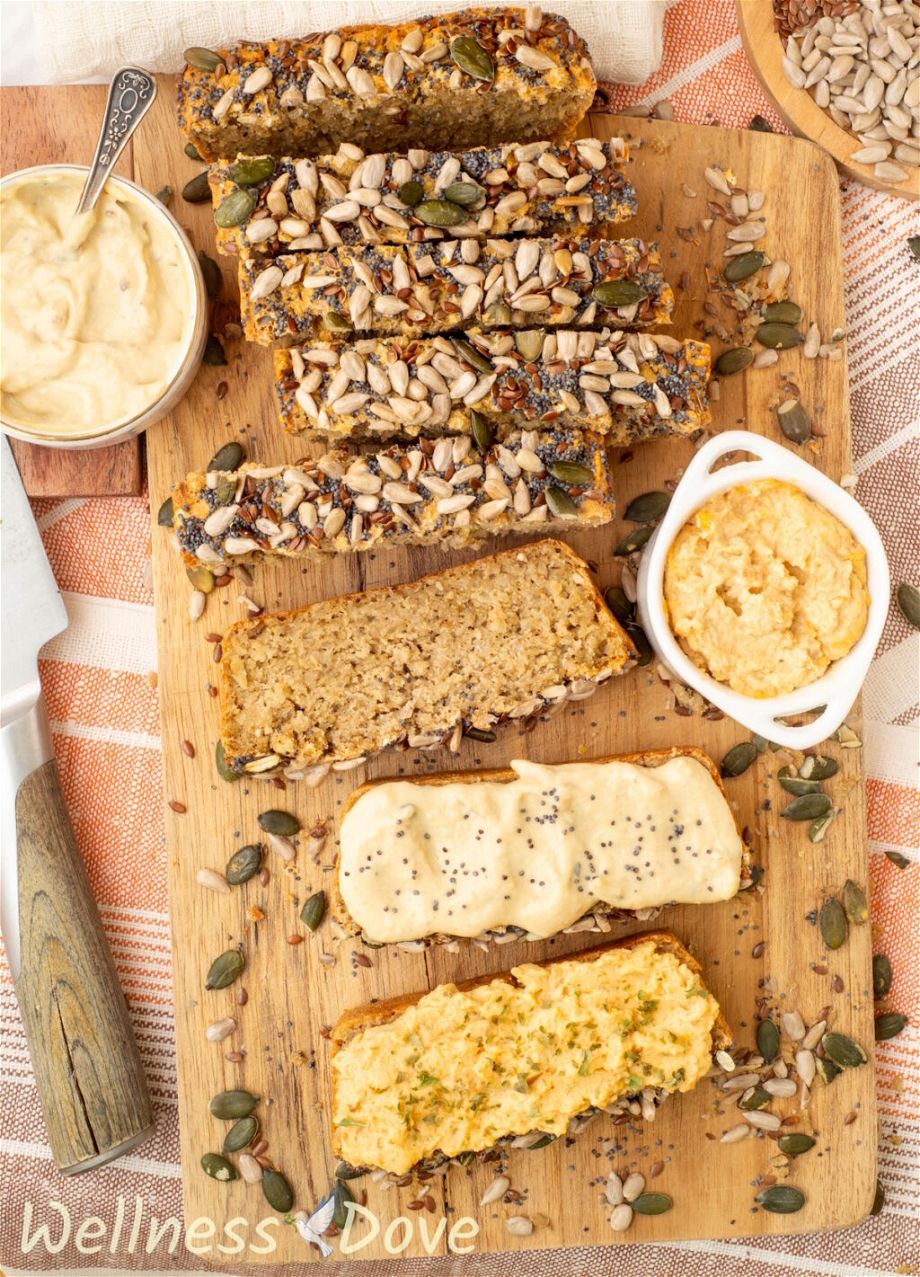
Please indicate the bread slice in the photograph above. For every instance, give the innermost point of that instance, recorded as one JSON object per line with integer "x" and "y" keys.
{"x": 460, "y": 650}
{"x": 598, "y": 918}
{"x": 515, "y": 75}
{"x": 627, "y": 387}
{"x": 424, "y": 288}
{"x": 343, "y": 504}
{"x": 352, "y": 198}
{"x": 353, "y": 1139}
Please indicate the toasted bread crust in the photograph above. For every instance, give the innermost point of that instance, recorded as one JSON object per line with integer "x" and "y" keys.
{"x": 504, "y": 775}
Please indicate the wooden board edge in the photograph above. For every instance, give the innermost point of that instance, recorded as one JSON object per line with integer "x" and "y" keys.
{"x": 764, "y": 50}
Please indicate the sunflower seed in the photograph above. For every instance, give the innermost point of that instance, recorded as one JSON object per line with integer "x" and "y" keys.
{"x": 220, "y": 1029}
{"x": 214, "y": 881}
{"x": 621, "y": 1217}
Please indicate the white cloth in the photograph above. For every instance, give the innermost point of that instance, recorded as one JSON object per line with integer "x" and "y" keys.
{"x": 85, "y": 39}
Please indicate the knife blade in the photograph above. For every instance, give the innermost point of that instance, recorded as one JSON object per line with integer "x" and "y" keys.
{"x": 86, "y": 1063}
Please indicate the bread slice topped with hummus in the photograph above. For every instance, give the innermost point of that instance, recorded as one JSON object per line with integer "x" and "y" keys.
{"x": 534, "y": 850}
{"x": 536, "y": 1052}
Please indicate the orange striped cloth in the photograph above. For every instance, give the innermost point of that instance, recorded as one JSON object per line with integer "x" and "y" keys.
{"x": 102, "y": 700}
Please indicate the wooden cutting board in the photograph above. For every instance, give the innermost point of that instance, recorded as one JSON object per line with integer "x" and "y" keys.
{"x": 292, "y": 995}
{"x": 55, "y": 126}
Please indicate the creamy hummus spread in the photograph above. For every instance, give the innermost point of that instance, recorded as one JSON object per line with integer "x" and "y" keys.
{"x": 459, "y": 1070}
{"x": 536, "y": 852}
{"x": 764, "y": 588}
{"x": 97, "y": 310}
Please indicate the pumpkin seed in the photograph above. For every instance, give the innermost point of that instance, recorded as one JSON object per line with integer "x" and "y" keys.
{"x": 229, "y": 457}
{"x": 879, "y": 1200}
{"x": 277, "y": 1191}
{"x": 734, "y": 360}
{"x": 244, "y": 864}
{"x": 818, "y": 828}
{"x": 817, "y": 767}
{"x": 833, "y": 923}
{"x": 344, "y": 1171}
{"x": 760, "y": 125}
{"x": 889, "y": 1025}
{"x": 640, "y": 643}
{"x": 543, "y": 1142}
{"x": 251, "y": 170}
{"x": 335, "y": 322}
{"x": 497, "y": 314}
{"x": 756, "y": 1098}
{"x": 481, "y": 431}
{"x": 778, "y": 336}
{"x": 440, "y": 213}
{"x": 211, "y": 272}
{"x": 228, "y": 1106}
{"x": 201, "y": 578}
{"x": 768, "y": 1040}
{"x": 313, "y": 912}
{"x": 191, "y": 150}
{"x": 472, "y": 58}
{"x": 743, "y": 266}
{"x": 218, "y": 1167}
{"x": 652, "y": 1204}
{"x": 561, "y": 505}
{"x": 634, "y": 541}
{"x": 224, "y": 970}
{"x": 235, "y": 208}
{"x": 463, "y": 193}
{"x": 411, "y": 193}
{"x": 619, "y": 292}
{"x": 827, "y": 1069}
{"x": 486, "y": 735}
{"x": 279, "y": 822}
{"x": 618, "y": 603}
{"x": 197, "y": 190}
{"x": 202, "y": 59}
{"x": 795, "y": 1144}
{"x": 220, "y": 762}
{"x": 225, "y": 489}
{"x": 881, "y": 976}
{"x": 781, "y": 1199}
{"x": 241, "y": 1134}
{"x": 213, "y": 356}
{"x": 165, "y": 514}
{"x": 796, "y": 785}
{"x": 914, "y": 245}
{"x": 843, "y": 1050}
{"x": 738, "y": 759}
{"x": 909, "y": 603}
{"x": 342, "y": 1195}
{"x": 165, "y": 195}
{"x": 571, "y": 472}
{"x": 467, "y": 351}
{"x": 898, "y": 859}
{"x": 784, "y": 312}
{"x": 647, "y": 508}
{"x": 808, "y": 807}
{"x": 529, "y": 343}
{"x": 855, "y": 902}
{"x": 794, "y": 421}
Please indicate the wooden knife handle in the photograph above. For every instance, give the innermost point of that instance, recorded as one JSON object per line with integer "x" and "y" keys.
{"x": 87, "y": 1066}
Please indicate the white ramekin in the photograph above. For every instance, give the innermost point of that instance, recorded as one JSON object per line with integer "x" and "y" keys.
{"x": 197, "y": 332}
{"x": 838, "y": 688}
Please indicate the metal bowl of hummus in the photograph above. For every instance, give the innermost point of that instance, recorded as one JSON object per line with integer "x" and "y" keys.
{"x": 765, "y": 587}
{"x": 103, "y": 314}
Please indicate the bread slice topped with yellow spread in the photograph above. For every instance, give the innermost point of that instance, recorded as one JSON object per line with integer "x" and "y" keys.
{"x": 535, "y": 850}
{"x": 444, "y": 1075}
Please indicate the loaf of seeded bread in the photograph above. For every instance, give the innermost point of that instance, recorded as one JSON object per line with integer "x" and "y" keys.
{"x": 265, "y": 206}
{"x": 417, "y": 288}
{"x": 358, "y": 1142}
{"x": 598, "y": 918}
{"x": 456, "y": 80}
{"x": 624, "y": 386}
{"x": 460, "y": 650}
{"x": 430, "y": 493}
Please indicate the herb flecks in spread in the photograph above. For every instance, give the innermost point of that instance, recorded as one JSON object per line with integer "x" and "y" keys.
{"x": 538, "y": 852}
{"x": 97, "y": 309}
{"x": 459, "y": 1070}
{"x": 765, "y": 588}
